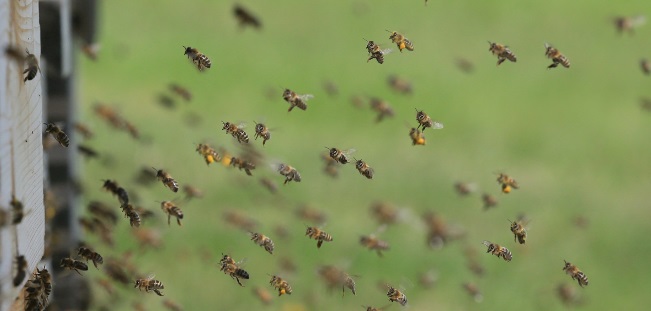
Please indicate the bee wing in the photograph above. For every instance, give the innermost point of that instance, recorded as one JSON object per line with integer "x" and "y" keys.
{"x": 241, "y": 262}
{"x": 386, "y": 51}
{"x": 241, "y": 125}
{"x": 436, "y": 125}
{"x": 638, "y": 20}
{"x": 151, "y": 277}
{"x": 348, "y": 152}
{"x": 306, "y": 97}
{"x": 487, "y": 243}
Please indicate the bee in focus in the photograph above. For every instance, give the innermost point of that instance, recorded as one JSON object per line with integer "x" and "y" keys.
{"x": 576, "y": 274}
{"x": 133, "y": 215}
{"x": 17, "y": 209}
{"x": 646, "y": 66}
{"x": 230, "y": 267}
{"x": 263, "y": 241}
{"x": 296, "y": 100}
{"x": 340, "y": 156}
{"x": 208, "y": 153}
{"x": 473, "y": 291}
{"x": 84, "y": 130}
{"x": 373, "y": 243}
{"x": 399, "y": 85}
{"x": 519, "y": 231}
{"x": 507, "y": 182}
{"x": 502, "y": 51}
{"x": 375, "y": 52}
{"x": 290, "y": 173}
{"x": 192, "y": 192}
{"x": 149, "y": 284}
{"x": 417, "y": 137}
{"x": 57, "y": 133}
{"x": 199, "y": 59}
{"x": 556, "y": 57}
{"x": 425, "y": 121}
{"x": 236, "y": 131}
{"x": 73, "y": 264}
{"x": 396, "y": 296}
{"x": 628, "y": 23}
{"x": 171, "y": 210}
{"x": 263, "y": 295}
{"x": 167, "y": 180}
{"x": 244, "y": 17}
{"x": 181, "y": 91}
{"x": 243, "y": 164}
{"x": 261, "y": 130}
{"x": 489, "y": 201}
{"x": 316, "y": 234}
{"x": 21, "y": 270}
{"x": 88, "y": 254}
{"x": 280, "y": 284}
{"x": 382, "y": 108}
{"x": 401, "y": 41}
{"x": 499, "y": 251}
{"x": 364, "y": 169}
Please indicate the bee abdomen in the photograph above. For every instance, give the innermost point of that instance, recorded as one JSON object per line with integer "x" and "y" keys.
{"x": 242, "y": 273}
{"x": 31, "y": 74}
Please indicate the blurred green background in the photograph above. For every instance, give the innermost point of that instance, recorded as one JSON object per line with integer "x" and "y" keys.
{"x": 575, "y": 139}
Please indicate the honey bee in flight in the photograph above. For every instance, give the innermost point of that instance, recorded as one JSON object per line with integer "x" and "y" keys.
{"x": 208, "y": 153}
{"x": 263, "y": 241}
{"x": 507, "y": 182}
{"x": 384, "y": 213}
{"x": 307, "y": 213}
{"x": 417, "y": 137}
{"x": 29, "y": 59}
{"x": 244, "y": 17}
{"x": 115, "y": 189}
{"x": 89, "y": 254}
{"x": 290, "y": 173}
{"x": 364, "y": 169}
{"x": 18, "y": 210}
{"x": 473, "y": 290}
{"x": 399, "y": 84}
{"x": 171, "y": 210}
{"x": 401, "y": 41}
{"x": 181, "y": 91}
{"x": 316, "y": 234}
{"x": 382, "y": 108}
{"x": 296, "y": 100}
{"x": 263, "y": 295}
{"x": 502, "y": 51}
{"x": 261, "y": 130}
{"x": 628, "y": 23}
{"x": 556, "y": 57}
{"x": 396, "y": 296}
{"x": 199, "y": 59}
{"x": 192, "y": 192}
{"x": 243, "y": 164}
{"x": 230, "y": 267}
{"x": 280, "y": 284}
{"x": 373, "y": 243}
{"x": 464, "y": 189}
{"x": 236, "y": 131}
{"x": 149, "y": 284}
{"x": 519, "y": 231}
{"x": 425, "y": 121}
{"x": 21, "y": 270}
{"x": 340, "y": 156}
{"x": 568, "y": 295}
{"x": 84, "y": 130}
{"x": 645, "y": 66}
{"x": 171, "y": 305}
{"x": 73, "y": 264}
{"x": 576, "y": 274}
{"x": 330, "y": 167}
{"x": 489, "y": 201}
{"x": 57, "y": 133}
{"x": 499, "y": 251}
{"x": 167, "y": 180}
{"x": 375, "y": 52}
{"x": 133, "y": 215}
{"x": 269, "y": 185}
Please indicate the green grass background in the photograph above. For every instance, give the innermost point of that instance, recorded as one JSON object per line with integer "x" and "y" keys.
{"x": 575, "y": 139}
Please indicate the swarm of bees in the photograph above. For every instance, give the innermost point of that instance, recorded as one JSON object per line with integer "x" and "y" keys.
{"x": 498, "y": 250}
{"x": 198, "y": 59}
{"x": 296, "y": 100}
{"x": 576, "y": 274}
{"x": 37, "y": 290}
{"x": 556, "y": 56}
{"x": 319, "y": 235}
{"x": 149, "y": 284}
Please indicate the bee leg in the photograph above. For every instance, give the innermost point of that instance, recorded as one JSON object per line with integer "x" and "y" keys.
{"x": 168, "y": 219}
{"x": 238, "y": 281}
{"x": 178, "y": 220}
{"x": 158, "y": 292}
{"x": 77, "y": 271}
{"x": 95, "y": 264}
{"x": 319, "y": 243}
{"x": 553, "y": 65}
{"x": 500, "y": 61}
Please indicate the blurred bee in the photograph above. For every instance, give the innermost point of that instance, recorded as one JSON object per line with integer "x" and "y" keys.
{"x": 107, "y": 285}
{"x": 438, "y": 233}
{"x": 261, "y": 130}
{"x": 384, "y": 213}
{"x": 199, "y": 59}
{"x": 473, "y": 264}
{"x": 364, "y": 169}
{"x": 417, "y": 137}
{"x": 568, "y": 295}
{"x": 97, "y": 226}
{"x": 400, "y": 41}
{"x": 375, "y": 52}
{"x": 507, "y": 182}
{"x": 171, "y": 305}
{"x": 339, "y": 155}
{"x": 131, "y": 129}
{"x": 382, "y": 108}
{"x": 236, "y": 131}
{"x": 290, "y": 173}
{"x": 133, "y": 215}
{"x": 149, "y": 284}
{"x": 399, "y": 85}
{"x": 307, "y": 213}
{"x": 473, "y": 290}
{"x": 263, "y": 241}
{"x": 38, "y": 290}
{"x": 208, "y": 153}
{"x": 244, "y": 17}
{"x": 357, "y": 101}
{"x": 628, "y": 23}
{"x": 113, "y": 187}
{"x": 296, "y": 100}
{"x": 166, "y": 101}
{"x": 396, "y": 295}
{"x": 581, "y": 221}
{"x": 18, "y": 210}
{"x": 32, "y": 66}
{"x": 87, "y": 151}
{"x": 489, "y": 201}
{"x": 499, "y": 251}
{"x": 147, "y": 237}
{"x": 465, "y": 65}
{"x": 369, "y": 308}
{"x": 556, "y": 57}
{"x": 428, "y": 279}
{"x": 145, "y": 177}
{"x": 316, "y": 234}
{"x": 519, "y": 232}
{"x": 171, "y": 210}
{"x": 348, "y": 282}
{"x": 88, "y": 254}
{"x": 425, "y": 121}
{"x": 239, "y": 220}
{"x": 269, "y": 185}
{"x": 280, "y": 284}
{"x": 646, "y": 66}
{"x": 21, "y": 270}
{"x": 192, "y": 192}
{"x": 91, "y": 50}
{"x": 84, "y": 130}
{"x": 464, "y": 189}
{"x": 181, "y": 91}
{"x": 57, "y": 133}
{"x": 331, "y": 275}
{"x": 373, "y": 243}
{"x": 331, "y": 168}
{"x": 109, "y": 115}
{"x": 576, "y": 274}
{"x": 240, "y": 163}
{"x": 167, "y": 180}
{"x": 502, "y": 51}
{"x": 263, "y": 295}
{"x": 330, "y": 88}
{"x": 73, "y": 264}
{"x": 230, "y": 267}
{"x": 114, "y": 268}
{"x": 287, "y": 264}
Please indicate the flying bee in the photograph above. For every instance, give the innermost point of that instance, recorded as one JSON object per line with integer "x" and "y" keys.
{"x": 330, "y": 168}
{"x": 340, "y": 156}
{"x": 499, "y": 251}
{"x": 507, "y": 182}
{"x": 230, "y": 267}
{"x": 384, "y": 213}
{"x": 373, "y": 243}
{"x": 331, "y": 275}
{"x": 428, "y": 279}
{"x": 103, "y": 211}
{"x": 331, "y": 88}
{"x": 208, "y": 153}
{"x": 171, "y": 210}
{"x": 348, "y": 282}
{"x": 242, "y": 164}
{"x": 88, "y": 152}
{"x": 382, "y": 108}
{"x": 489, "y": 201}
{"x": 199, "y": 59}
{"x": 171, "y": 305}
{"x": 568, "y": 295}
{"x": 57, "y": 133}
{"x": 395, "y": 295}
{"x": 290, "y": 173}
{"x": 425, "y": 121}
{"x": 307, "y": 213}
{"x": 244, "y": 17}
{"x": 18, "y": 210}
{"x": 84, "y": 130}
{"x": 280, "y": 284}
{"x": 147, "y": 237}
{"x": 556, "y": 57}
{"x": 240, "y": 220}
{"x": 646, "y": 66}
{"x": 21, "y": 270}
{"x": 296, "y": 100}
{"x": 576, "y": 274}
{"x": 473, "y": 290}
{"x": 364, "y": 169}
{"x": 88, "y": 254}
{"x": 167, "y": 180}
{"x": 73, "y": 264}
{"x": 181, "y": 91}
{"x": 375, "y": 52}
{"x": 316, "y": 234}
{"x": 399, "y": 84}
{"x": 192, "y": 192}
{"x": 263, "y": 241}
{"x": 628, "y": 23}
{"x": 236, "y": 131}
{"x": 32, "y": 66}
{"x": 269, "y": 185}
{"x": 417, "y": 137}
{"x": 401, "y": 41}
{"x": 502, "y": 51}
{"x": 133, "y": 215}
{"x": 464, "y": 189}
{"x": 519, "y": 232}
{"x": 115, "y": 189}
{"x": 149, "y": 284}
{"x": 261, "y": 130}
{"x": 262, "y": 294}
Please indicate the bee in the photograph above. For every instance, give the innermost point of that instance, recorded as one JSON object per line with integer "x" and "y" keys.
{"x": 280, "y": 284}
{"x": 91, "y": 50}
{"x": 18, "y": 210}
{"x": 113, "y": 187}
{"x": 286, "y": 264}
{"x": 438, "y": 233}
{"x": 261, "y": 130}
{"x": 382, "y": 108}
{"x": 133, "y": 215}
{"x": 428, "y": 279}
{"x": 230, "y": 267}
{"x": 244, "y": 17}
{"x": 375, "y": 52}
{"x": 556, "y": 57}
{"x": 400, "y": 41}
{"x": 32, "y": 66}
{"x": 171, "y": 210}
{"x": 316, "y": 234}
{"x": 239, "y": 220}
{"x": 270, "y": 185}
{"x": 348, "y": 282}
{"x": 499, "y": 251}
{"x": 417, "y": 137}
{"x": 149, "y": 284}
{"x": 473, "y": 264}
{"x": 107, "y": 285}
{"x": 425, "y": 121}
{"x": 502, "y": 51}
{"x": 147, "y": 237}
{"x": 263, "y": 295}
{"x": 167, "y": 180}
{"x": 166, "y": 101}
{"x": 181, "y": 91}
{"x": 395, "y": 295}
{"x": 330, "y": 168}
{"x": 131, "y": 129}
{"x": 489, "y": 201}
{"x": 290, "y": 173}
{"x": 57, "y": 133}
{"x": 84, "y": 130}
{"x": 37, "y": 290}
{"x": 21, "y": 270}
{"x": 308, "y": 213}
{"x": 507, "y": 182}
{"x": 199, "y": 59}
{"x": 646, "y": 66}
{"x": 339, "y": 155}
{"x": 576, "y": 274}
{"x": 88, "y": 254}
{"x": 263, "y": 241}
{"x": 296, "y": 100}
{"x": 331, "y": 275}
{"x": 568, "y": 295}
{"x": 73, "y": 264}
{"x": 114, "y": 268}
{"x": 399, "y": 85}
{"x": 330, "y": 88}
{"x": 240, "y": 163}
{"x": 236, "y": 131}
{"x": 208, "y": 153}
{"x": 364, "y": 169}
{"x": 465, "y": 65}
{"x": 384, "y": 213}
{"x": 369, "y": 308}
{"x": 464, "y": 189}
{"x": 473, "y": 290}
{"x": 171, "y": 305}
{"x": 109, "y": 115}
{"x": 373, "y": 243}
{"x": 192, "y": 192}
{"x": 519, "y": 232}
{"x": 628, "y": 23}
{"x": 88, "y": 152}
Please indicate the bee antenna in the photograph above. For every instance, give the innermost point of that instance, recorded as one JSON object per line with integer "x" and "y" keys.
{"x": 154, "y": 169}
